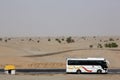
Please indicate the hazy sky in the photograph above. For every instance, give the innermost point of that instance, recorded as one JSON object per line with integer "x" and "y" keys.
{"x": 59, "y": 17}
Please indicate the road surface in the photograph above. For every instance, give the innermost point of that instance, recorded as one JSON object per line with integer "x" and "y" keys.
{"x": 53, "y": 71}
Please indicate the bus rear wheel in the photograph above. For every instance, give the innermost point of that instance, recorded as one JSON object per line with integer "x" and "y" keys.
{"x": 99, "y": 71}
{"x": 78, "y": 71}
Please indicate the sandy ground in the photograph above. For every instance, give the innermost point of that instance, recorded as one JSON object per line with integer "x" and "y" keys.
{"x": 15, "y": 51}
{"x": 25, "y": 52}
{"x": 61, "y": 77}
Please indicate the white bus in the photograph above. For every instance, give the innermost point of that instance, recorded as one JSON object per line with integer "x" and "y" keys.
{"x": 86, "y": 65}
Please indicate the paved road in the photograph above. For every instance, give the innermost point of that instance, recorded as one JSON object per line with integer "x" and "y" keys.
{"x": 114, "y": 71}
{"x": 53, "y": 71}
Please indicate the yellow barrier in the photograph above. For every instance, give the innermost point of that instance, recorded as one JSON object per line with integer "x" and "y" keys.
{"x": 9, "y": 67}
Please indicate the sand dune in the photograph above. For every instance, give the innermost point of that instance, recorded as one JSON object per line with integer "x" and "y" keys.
{"x": 46, "y": 52}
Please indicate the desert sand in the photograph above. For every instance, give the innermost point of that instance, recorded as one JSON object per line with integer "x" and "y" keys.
{"x": 51, "y": 52}
{"x": 30, "y": 52}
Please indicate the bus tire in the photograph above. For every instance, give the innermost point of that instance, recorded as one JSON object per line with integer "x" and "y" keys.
{"x": 99, "y": 71}
{"x": 78, "y": 71}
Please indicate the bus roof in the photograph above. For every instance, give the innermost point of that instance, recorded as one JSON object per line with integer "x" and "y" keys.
{"x": 85, "y": 58}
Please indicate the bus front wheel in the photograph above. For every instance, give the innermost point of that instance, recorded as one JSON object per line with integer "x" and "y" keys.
{"x": 99, "y": 71}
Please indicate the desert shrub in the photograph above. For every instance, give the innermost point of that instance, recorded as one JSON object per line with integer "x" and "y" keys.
{"x": 6, "y": 40}
{"x": 30, "y": 39}
{"x": 38, "y": 41}
{"x": 117, "y": 39}
{"x": 114, "y": 44}
{"x": 100, "y": 40}
{"x": 1, "y": 39}
{"x": 91, "y": 46}
{"x": 111, "y": 45}
{"x": 111, "y": 39}
{"x": 70, "y": 40}
{"x": 58, "y": 40}
{"x": 100, "y": 46}
{"x": 22, "y": 39}
{"x": 105, "y": 40}
{"x": 94, "y": 36}
{"x": 49, "y": 39}
{"x": 84, "y": 38}
{"x": 107, "y": 45}
{"x": 62, "y": 39}
{"x": 9, "y": 38}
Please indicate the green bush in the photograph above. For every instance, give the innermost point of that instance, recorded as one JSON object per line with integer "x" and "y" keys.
{"x": 111, "y": 45}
